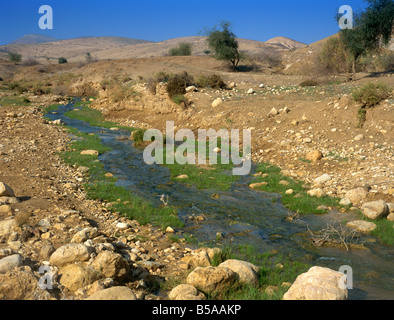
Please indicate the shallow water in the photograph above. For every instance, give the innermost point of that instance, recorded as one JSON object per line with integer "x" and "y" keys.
{"x": 242, "y": 215}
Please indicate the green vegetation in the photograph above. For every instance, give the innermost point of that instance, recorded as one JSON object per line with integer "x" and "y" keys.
{"x": 178, "y": 83}
{"x": 335, "y": 56}
{"x": 309, "y": 83}
{"x": 274, "y": 270}
{"x": 369, "y": 95}
{"x": 299, "y": 201}
{"x": 92, "y": 116}
{"x": 215, "y": 176}
{"x": 18, "y": 101}
{"x": 62, "y": 60}
{"x": 372, "y": 30}
{"x": 223, "y": 44}
{"x": 14, "y": 57}
{"x": 100, "y": 187}
{"x": 183, "y": 49}
{"x": 212, "y": 81}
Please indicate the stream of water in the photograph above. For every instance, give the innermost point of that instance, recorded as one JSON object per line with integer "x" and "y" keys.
{"x": 242, "y": 215}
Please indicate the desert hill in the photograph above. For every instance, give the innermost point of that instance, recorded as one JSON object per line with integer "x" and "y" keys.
{"x": 103, "y": 48}
{"x": 33, "y": 38}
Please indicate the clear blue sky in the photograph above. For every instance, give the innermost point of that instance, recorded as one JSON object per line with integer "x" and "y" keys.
{"x": 303, "y": 20}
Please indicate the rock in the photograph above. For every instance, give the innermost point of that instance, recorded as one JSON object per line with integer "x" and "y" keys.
{"x": 185, "y": 292}
{"x": 390, "y": 217}
{"x": 375, "y": 209}
{"x": 318, "y": 192}
{"x": 6, "y": 191}
{"x": 90, "y": 152}
{"x": 75, "y": 276}
{"x": 257, "y": 185}
{"x": 21, "y": 285}
{"x": 169, "y": 230}
{"x": 200, "y": 259}
{"x": 317, "y": 284}
{"x": 85, "y": 234}
{"x": 5, "y": 209}
{"x": 261, "y": 85}
{"x": 273, "y": 112}
{"x": 182, "y": 176}
{"x": 345, "y": 202}
{"x": 59, "y": 121}
{"x": 46, "y": 251}
{"x": 122, "y": 225}
{"x": 358, "y": 137}
{"x": 322, "y": 179}
{"x": 314, "y": 155}
{"x": 111, "y": 265}
{"x": 361, "y": 225}
{"x": 109, "y": 175}
{"x": 247, "y": 272}
{"x": 307, "y": 140}
{"x": 70, "y": 253}
{"x": 356, "y": 195}
{"x": 390, "y": 206}
{"x": 113, "y": 293}
{"x": 231, "y": 85}
{"x": 10, "y": 262}
{"x": 211, "y": 279}
{"x": 250, "y": 91}
{"x": 217, "y": 102}
{"x": 191, "y": 89}
{"x": 289, "y": 191}
{"x": 7, "y": 227}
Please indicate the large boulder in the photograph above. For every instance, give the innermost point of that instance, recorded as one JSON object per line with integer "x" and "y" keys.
{"x": 70, "y": 253}
{"x": 7, "y": 227}
{"x": 75, "y": 276}
{"x": 113, "y": 293}
{"x": 21, "y": 285}
{"x": 375, "y": 209}
{"x": 211, "y": 279}
{"x": 185, "y": 292}
{"x": 318, "y": 283}
{"x": 111, "y": 265}
{"x": 247, "y": 272}
{"x": 357, "y": 195}
{"x": 6, "y": 191}
{"x": 10, "y": 262}
{"x": 361, "y": 226}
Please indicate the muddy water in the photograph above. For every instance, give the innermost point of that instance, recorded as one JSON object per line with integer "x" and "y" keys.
{"x": 243, "y": 216}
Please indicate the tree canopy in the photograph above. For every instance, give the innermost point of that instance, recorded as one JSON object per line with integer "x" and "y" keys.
{"x": 223, "y": 43}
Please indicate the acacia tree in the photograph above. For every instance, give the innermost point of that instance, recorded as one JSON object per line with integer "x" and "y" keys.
{"x": 372, "y": 30}
{"x": 223, "y": 43}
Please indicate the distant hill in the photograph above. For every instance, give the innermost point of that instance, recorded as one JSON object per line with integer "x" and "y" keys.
{"x": 103, "y": 48}
{"x": 33, "y": 38}
{"x": 286, "y": 43}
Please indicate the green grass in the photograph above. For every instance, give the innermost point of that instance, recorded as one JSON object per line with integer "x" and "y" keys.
{"x": 299, "y": 201}
{"x": 16, "y": 101}
{"x": 92, "y": 116}
{"x": 215, "y": 176}
{"x": 99, "y": 187}
{"x": 384, "y": 231}
{"x": 274, "y": 269}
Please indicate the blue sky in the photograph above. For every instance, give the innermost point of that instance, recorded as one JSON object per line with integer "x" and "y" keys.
{"x": 303, "y": 20}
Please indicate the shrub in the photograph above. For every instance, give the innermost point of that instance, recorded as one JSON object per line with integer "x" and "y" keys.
{"x": 178, "y": 83}
{"x": 212, "y": 81}
{"x": 183, "y": 49}
{"x": 14, "y": 57}
{"x": 62, "y": 60}
{"x": 371, "y": 94}
{"x": 178, "y": 99}
{"x": 30, "y": 62}
{"x": 270, "y": 57}
{"x": 335, "y": 57}
{"x": 309, "y": 83}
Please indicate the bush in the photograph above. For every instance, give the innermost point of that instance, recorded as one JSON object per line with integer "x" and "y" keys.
{"x": 30, "y": 62}
{"x": 178, "y": 83}
{"x": 178, "y": 99}
{"x": 335, "y": 57}
{"x": 270, "y": 57}
{"x": 183, "y": 49}
{"x": 309, "y": 83}
{"x": 212, "y": 81}
{"x": 14, "y": 57}
{"x": 62, "y": 60}
{"x": 371, "y": 94}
